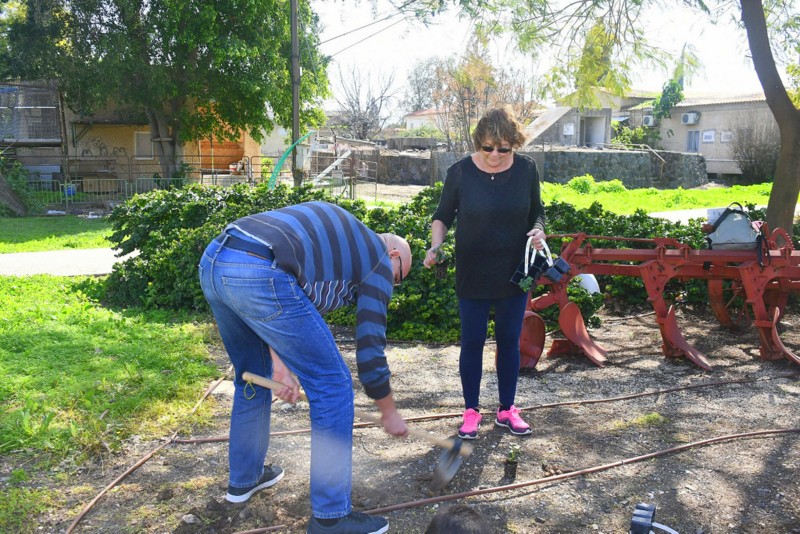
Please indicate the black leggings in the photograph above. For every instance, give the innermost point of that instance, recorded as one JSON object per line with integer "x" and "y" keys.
{"x": 508, "y": 315}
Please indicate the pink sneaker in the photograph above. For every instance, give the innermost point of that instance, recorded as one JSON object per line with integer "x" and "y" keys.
{"x": 469, "y": 429}
{"x": 511, "y": 420}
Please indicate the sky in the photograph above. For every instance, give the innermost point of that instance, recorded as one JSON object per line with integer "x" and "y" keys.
{"x": 389, "y": 46}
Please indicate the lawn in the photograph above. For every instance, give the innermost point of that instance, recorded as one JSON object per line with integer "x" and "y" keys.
{"x": 35, "y": 234}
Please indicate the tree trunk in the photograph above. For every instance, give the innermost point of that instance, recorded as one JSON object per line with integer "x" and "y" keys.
{"x": 786, "y": 185}
{"x": 165, "y": 143}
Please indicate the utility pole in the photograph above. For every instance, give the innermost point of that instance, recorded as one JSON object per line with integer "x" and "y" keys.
{"x": 295, "y": 92}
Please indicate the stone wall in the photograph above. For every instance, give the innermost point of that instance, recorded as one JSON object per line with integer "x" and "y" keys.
{"x": 404, "y": 169}
{"x": 635, "y": 169}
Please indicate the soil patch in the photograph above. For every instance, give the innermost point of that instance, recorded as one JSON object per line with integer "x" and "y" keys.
{"x": 739, "y": 485}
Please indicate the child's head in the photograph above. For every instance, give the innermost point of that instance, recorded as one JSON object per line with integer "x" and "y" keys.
{"x": 461, "y": 518}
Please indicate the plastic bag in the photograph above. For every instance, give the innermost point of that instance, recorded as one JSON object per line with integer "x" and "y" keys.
{"x": 733, "y": 230}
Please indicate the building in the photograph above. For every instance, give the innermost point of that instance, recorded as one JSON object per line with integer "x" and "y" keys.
{"x": 422, "y": 118}
{"x": 711, "y": 125}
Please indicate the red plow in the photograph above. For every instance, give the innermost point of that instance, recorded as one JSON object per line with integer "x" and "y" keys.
{"x": 753, "y": 284}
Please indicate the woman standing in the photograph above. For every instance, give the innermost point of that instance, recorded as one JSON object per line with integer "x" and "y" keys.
{"x": 495, "y": 195}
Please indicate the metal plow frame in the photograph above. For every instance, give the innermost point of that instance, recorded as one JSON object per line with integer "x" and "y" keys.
{"x": 762, "y": 282}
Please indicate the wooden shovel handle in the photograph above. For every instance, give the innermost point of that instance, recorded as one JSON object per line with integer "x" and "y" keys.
{"x": 466, "y": 448}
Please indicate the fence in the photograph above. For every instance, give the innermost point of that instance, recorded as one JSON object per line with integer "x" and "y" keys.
{"x": 101, "y": 180}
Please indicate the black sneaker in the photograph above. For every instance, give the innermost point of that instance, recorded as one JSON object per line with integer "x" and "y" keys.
{"x": 355, "y": 523}
{"x": 272, "y": 474}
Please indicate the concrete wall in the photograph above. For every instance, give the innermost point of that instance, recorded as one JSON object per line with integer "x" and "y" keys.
{"x": 633, "y": 168}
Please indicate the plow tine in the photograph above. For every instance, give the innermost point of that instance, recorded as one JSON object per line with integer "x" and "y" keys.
{"x": 531, "y": 341}
{"x": 675, "y": 344}
{"x": 776, "y": 346}
{"x": 571, "y": 322}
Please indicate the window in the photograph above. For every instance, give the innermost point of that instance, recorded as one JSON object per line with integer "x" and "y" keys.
{"x": 709, "y": 136}
{"x": 693, "y": 141}
{"x": 725, "y": 136}
{"x": 144, "y": 146}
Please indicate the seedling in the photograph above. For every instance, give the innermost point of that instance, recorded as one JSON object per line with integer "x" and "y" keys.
{"x": 514, "y": 452}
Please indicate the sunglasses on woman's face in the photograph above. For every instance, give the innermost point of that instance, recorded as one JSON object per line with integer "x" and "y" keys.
{"x": 500, "y": 149}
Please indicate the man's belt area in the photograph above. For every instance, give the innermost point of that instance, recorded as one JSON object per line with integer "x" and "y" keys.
{"x": 259, "y": 250}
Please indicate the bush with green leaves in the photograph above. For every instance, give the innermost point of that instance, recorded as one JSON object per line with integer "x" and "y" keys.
{"x": 17, "y": 179}
{"x": 170, "y": 229}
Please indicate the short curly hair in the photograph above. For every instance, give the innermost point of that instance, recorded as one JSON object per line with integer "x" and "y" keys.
{"x": 498, "y": 125}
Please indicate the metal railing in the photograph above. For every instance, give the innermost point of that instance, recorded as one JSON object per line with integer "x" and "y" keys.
{"x": 103, "y": 180}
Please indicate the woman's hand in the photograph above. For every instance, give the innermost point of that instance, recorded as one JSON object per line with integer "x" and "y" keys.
{"x": 538, "y": 236}
{"x": 431, "y": 257}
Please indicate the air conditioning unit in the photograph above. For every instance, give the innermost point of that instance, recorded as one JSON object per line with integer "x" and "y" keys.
{"x": 690, "y": 118}
{"x": 648, "y": 120}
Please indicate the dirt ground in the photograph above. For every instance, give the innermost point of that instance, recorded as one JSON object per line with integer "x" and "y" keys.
{"x": 747, "y": 485}
{"x": 738, "y": 485}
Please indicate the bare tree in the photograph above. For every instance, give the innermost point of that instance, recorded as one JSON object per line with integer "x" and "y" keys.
{"x": 421, "y": 85}
{"x": 363, "y": 107}
{"x": 755, "y": 148}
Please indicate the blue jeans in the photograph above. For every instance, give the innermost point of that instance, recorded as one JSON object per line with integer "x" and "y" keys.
{"x": 508, "y": 315}
{"x": 257, "y": 305}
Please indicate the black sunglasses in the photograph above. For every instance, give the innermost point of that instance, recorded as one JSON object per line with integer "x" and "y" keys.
{"x": 500, "y": 149}
{"x": 401, "y": 270}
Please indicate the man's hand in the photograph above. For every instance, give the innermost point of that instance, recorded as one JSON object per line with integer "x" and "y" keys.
{"x": 282, "y": 374}
{"x": 393, "y": 424}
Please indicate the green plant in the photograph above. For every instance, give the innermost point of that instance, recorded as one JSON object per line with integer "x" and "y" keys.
{"x": 17, "y": 179}
{"x": 513, "y": 454}
{"x": 19, "y": 508}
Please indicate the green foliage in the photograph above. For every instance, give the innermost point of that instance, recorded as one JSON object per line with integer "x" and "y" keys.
{"x": 626, "y": 202}
{"x": 194, "y": 68}
{"x": 635, "y": 137}
{"x": 17, "y": 179}
{"x": 171, "y": 228}
{"x": 671, "y": 95}
{"x": 19, "y": 508}
{"x": 514, "y": 451}
{"x": 585, "y": 185}
{"x": 423, "y": 131}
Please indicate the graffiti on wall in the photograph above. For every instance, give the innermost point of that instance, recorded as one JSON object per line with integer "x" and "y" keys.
{"x": 96, "y": 147}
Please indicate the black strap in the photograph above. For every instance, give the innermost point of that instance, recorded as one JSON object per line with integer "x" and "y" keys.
{"x": 257, "y": 249}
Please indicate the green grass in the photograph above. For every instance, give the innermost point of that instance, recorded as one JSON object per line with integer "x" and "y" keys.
{"x": 582, "y": 193}
{"x": 34, "y": 234}
{"x": 79, "y": 377}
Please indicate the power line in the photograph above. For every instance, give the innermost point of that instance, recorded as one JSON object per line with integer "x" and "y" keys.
{"x": 368, "y": 36}
{"x": 387, "y": 17}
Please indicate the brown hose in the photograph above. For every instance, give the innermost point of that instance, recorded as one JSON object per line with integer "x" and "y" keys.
{"x": 585, "y": 471}
{"x": 213, "y": 386}
{"x": 141, "y": 462}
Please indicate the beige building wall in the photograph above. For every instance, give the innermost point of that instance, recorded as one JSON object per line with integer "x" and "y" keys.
{"x": 715, "y": 130}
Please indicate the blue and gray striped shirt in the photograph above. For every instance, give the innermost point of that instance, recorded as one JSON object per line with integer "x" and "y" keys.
{"x": 337, "y": 260}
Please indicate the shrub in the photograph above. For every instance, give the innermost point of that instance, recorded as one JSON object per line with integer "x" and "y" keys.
{"x": 170, "y": 229}
{"x": 17, "y": 179}
{"x": 582, "y": 184}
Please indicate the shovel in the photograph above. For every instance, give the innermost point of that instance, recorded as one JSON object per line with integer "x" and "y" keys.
{"x": 449, "y": 462}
